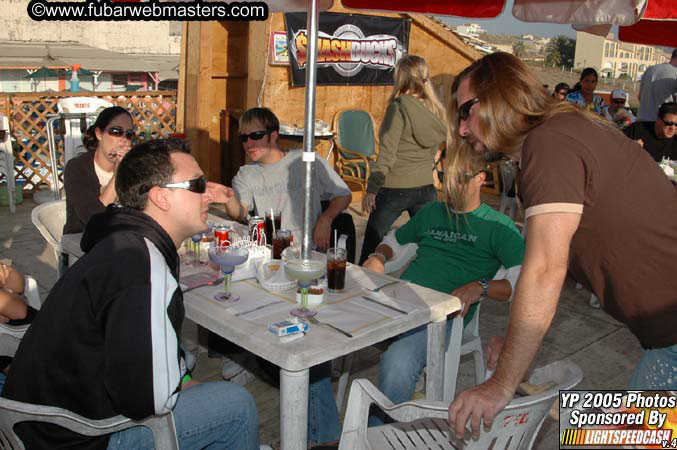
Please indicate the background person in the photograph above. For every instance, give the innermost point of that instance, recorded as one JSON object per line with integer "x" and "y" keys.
{"x": 658, "y": 86}
{"x": 657, "y": 137}
{"x": 583, "y": 94}
{"x": 617, "y": 112}
{"x": 410, "y": 136}
{"x": 89, "y": 178}
{"x": 579, "y": 176}
{"x": 561, "y": 91}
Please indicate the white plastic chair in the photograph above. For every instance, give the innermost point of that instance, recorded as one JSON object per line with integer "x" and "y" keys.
{"x": 88, "y": 109}
{"x": 469, "y": 338}
{"x": 508, "y": 204}
{"x": 424, "y": 424}
{"x": 13, "y": 412}
{"x": 49, "y": 218}
{"x": 7, "y": 162}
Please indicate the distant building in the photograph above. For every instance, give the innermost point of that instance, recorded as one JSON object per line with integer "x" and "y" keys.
{"x": 469, "y": 29}
{"x": 613, "y": 59}
{"x": 106, "y": 70}
{"x": 527, "y": 37}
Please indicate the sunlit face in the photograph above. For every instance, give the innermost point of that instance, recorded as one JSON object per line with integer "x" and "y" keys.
{"x": 666, "y": 126}
{"x": 561, "y": 94}
{"x": 469, "y": 129}
{"x": 616, "y": 104}
{"x": 109, "y": 143}
{"x": 258, "y": 149}
{"x": 188, "y": 209}
{"x": 588, "y": 84}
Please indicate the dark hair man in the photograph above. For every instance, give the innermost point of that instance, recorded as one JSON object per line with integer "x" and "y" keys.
{"x": 657, "y": 137}
{"x": 106, "y": 341}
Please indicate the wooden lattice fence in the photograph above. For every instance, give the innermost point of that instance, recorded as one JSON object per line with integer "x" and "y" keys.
{"x": 154, "y": 113}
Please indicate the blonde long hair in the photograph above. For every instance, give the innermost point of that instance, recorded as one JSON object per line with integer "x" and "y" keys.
{"x": 512, "y": 103}
{"x": 412, "y": 78}
{"x": 461, "y": 167}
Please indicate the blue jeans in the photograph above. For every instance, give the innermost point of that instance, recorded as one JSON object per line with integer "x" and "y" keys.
{"x": 656, "y": 370}
{"x": 402, "y": 365}
{"x": 323, "y": 416}
{"x": 217, "y": 415}
{"x": 390, "y": 203}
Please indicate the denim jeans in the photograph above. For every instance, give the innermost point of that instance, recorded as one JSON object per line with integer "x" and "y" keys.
{"x": 390, "y": 203}
{"x": 401, "y": 366}
{"x": 217, "y": 415}
{"x": 323, "y": 416}
{"x": 656, "y": 370}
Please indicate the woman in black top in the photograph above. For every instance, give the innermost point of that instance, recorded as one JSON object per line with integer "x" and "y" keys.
{"x": 89, "y": 178}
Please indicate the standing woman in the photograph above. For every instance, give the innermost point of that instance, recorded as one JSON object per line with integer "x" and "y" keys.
{"x": 411, "y": 133}
{"x": 583, "y": 92}
{"x": 89, "y": 178}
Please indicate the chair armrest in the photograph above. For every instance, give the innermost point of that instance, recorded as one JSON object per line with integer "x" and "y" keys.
{"x": 357, "y": 156}
{"x": 32, "y": 293}
{"x": 402, "y": 258}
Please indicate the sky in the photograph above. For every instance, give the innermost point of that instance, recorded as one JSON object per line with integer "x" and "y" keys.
{"x": 507, "y": 24}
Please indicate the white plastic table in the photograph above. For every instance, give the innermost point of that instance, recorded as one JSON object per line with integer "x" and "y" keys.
{"x": 321, "y": 344}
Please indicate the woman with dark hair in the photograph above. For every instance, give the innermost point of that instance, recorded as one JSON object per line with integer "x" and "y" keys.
{"x": 583, "y": 92}
{"x": 89, "y": 179}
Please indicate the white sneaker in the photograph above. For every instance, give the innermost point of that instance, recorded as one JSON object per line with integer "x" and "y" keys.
{"x": 232, "y": 371}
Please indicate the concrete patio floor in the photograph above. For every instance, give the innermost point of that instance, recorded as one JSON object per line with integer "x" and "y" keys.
{"x": 604, "y": 349}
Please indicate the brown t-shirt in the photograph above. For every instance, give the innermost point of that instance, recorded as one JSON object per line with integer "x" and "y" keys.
{"x": 625, "y": 248}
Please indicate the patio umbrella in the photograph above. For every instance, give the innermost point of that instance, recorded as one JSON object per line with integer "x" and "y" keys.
{"x": 81, "y": 71}
{"x": 42, "y": 72}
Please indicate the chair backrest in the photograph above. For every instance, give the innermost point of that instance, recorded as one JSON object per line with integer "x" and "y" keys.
{"x": 49, "y": 218}
{"x": 7, "y": 160}
{"x": 515, "y": 427}
{"x": 13, "y": 412}
{"x": 355, "y": 131}
{"x": 32, "y": 293}
{"x": 88, "y": 108}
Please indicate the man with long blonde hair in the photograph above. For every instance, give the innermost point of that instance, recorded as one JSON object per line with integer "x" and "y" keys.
{"x": 596, "y": 204}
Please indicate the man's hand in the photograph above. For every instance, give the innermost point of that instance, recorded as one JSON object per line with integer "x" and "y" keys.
{"x": 468, "y": 294}
{"x": 368, "y": 202}
{"x": 479, "y": 404}
{"x": 322, "y": 233}
{"x": 375, "y": 263}
{"x": 640, "y": 142}
{"x": 220, "y": 193}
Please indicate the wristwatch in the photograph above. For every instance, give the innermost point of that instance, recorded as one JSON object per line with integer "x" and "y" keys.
{"x": 485, "y": 288}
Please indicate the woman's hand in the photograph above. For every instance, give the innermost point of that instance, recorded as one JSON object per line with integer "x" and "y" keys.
{"x": 368, "y": 202}
{"x": 120, "y": 151}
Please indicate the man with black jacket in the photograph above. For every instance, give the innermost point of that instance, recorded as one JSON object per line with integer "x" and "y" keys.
{"x": 106, "y": 341}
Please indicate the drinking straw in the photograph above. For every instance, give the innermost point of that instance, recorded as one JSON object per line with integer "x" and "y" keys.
{"x": 335, "y": 240}
{"x": 272, "y": 220}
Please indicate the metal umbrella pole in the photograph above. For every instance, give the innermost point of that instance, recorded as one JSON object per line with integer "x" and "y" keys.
{"x": 309, "y": 126}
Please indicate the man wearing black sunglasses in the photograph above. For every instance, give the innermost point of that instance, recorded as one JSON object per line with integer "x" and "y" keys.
{"x": 118, "y": 312}
{"x": 275, "y": 180}
{"x": 658, "y": 137}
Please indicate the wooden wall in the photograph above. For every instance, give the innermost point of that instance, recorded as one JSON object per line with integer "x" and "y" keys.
{"x": 226, "y": 67}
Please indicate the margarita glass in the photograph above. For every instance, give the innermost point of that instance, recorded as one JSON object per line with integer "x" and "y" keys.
{"x": 304, "y": 271}
{"x": 227, "y": 258}
{"x": 196, "y": 239}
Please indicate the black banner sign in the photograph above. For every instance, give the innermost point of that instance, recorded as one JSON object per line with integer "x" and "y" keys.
{"x": 352, "y": 49}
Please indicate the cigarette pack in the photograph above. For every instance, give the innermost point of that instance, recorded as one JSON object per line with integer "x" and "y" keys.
{"x": 288, "y": 326}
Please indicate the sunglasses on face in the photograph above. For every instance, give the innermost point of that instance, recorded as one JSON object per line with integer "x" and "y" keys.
{"x": 668, "y": 123}
{"x": 254, "y": 135}
{"x": 119, "y": 132}
{"x": 197, "y": 185}
{"x": 619, "y": 102}
{"x": 464, "y": 109}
